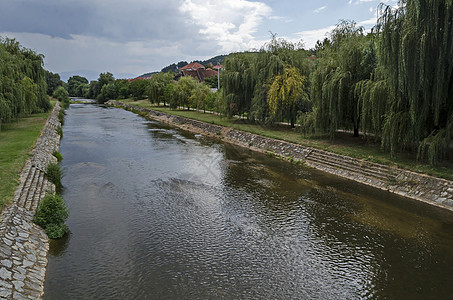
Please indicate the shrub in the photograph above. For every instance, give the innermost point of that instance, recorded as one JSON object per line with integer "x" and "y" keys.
{"x": 51, "y": 215}
{"x": 54, "y": 174}
{"x": 58, "y": 155}
{"x": 59, "y": 131}
{"x": 55, "y": 231}
{"x": 61, "y": 115}
{"x": 62, "y": 95}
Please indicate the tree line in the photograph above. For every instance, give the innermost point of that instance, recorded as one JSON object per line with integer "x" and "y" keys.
{"x": 159, "y": 88}
{"x": 394, "y": 84}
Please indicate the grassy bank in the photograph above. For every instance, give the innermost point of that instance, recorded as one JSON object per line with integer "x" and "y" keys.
{"x": 344, "y": 144}
{"x": 16, "y": 141}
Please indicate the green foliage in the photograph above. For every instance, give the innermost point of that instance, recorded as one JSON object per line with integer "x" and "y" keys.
{"x": 108, "y": 91}
{"x": 78, "y": 86}
{"x": 62, "y": 95}
{"x": 54, "y": 174}
{"x": 138, "y": 88}
{"x": 22, "y": 81}
{"x": 95, "y": 87}
{"x": 61, "y": 115}
{"x": 346, "y": 58}
{"x": 57, "y": 155}
{"x": 59, "y": 131}
{"x": 51, "y": 215}
{"x": 174, "y": 67}
{"x": 410, "y": 100}
{"x": 212, "y": 81}
{"x": 122, "y": 87}
{"x": 53, "y": 81}
{"x": 199, "y": 96}
{"x": 93, "y": 90}
{"x": 56, "y": 231}
{"x": 284, "y": 92}
{"x": 182, "y": 91}
{"x": 155, "y": 89}
{"x": 168, "y": 93}
{"x": 16, "y": 140}
{"x": 246, "y": 78}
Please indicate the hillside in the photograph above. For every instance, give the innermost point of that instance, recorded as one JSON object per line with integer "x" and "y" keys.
{"x": 176, "y": 66}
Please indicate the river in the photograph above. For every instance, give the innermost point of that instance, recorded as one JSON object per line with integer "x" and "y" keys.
{"x": 159, "y": 213}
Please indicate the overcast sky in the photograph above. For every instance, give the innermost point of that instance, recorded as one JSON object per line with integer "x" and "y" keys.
{"x": 132, "y": 37}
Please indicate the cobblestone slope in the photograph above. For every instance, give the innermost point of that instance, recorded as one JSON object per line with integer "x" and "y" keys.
{"x": 24, "y": 245}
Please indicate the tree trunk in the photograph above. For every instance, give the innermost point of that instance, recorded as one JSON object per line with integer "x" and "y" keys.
{"x": 356, "y": 131}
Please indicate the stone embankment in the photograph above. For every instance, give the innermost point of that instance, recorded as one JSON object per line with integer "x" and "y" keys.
{"x": 23, "y": 244}
{"x": 432, "y": 190}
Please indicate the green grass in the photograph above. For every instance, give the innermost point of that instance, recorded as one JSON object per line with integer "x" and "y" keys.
{"x": 343, "y": 144}
{"x": 16, "y": 141}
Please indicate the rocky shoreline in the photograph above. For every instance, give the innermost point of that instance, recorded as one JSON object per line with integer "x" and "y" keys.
{"x": 428, "y": 189}
{"x": 23, "y": 244}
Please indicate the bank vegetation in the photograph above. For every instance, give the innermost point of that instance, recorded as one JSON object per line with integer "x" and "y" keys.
{"x": 393, "y": 86}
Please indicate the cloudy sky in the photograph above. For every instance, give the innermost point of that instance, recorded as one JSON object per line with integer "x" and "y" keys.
{"x": 132, "y": 37}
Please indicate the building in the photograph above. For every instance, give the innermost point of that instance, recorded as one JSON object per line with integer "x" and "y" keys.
{"x": 197, "y": 71}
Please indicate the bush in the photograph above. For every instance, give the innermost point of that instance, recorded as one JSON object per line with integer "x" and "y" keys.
{"x": 58, "y": 155}
{"x": 54, "y": 174}
{"x": 51, "y": 215}
{"x": 61, "y": 94}
{"x": 55, "y": 231}
{"x": 59, "y": 131}
{"x": 61, "y": 115}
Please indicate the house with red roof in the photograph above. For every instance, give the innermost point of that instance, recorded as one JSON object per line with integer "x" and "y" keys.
{"x": 197, "y": 71}
{"x": 192, "y": 66}
{"x": 139, "y": 77}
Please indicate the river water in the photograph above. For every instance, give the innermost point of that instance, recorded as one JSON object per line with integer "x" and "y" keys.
{"x": 158, "y": 213}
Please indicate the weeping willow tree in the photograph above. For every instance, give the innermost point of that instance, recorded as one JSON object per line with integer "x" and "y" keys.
{"x": 284, "y": 92}
{"x": 248, "y": 76}
{"x": 182, "y": 90}
{"x": 238, "y": 82}
{"x": 22, "y": 81}
{"x": 411, "y": 96}
{"x": 156, "y": 87}
{"x": 199, "y": 97}
{"x": 347, "y": 58}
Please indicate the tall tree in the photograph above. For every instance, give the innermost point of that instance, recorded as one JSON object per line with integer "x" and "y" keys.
{"x": 77, "y": 85}
{"x": 284, "y": 92}
{"x": 414, "y": 79}
{"x": 156, "y": 87}
{"x": 122, "y": 86}
{"x": 245, "y": 80}
{"x": 53, "y": 81}
{"x": 199, "y": 97}
{"x": 182, "y": 91}
{"x": 347, "y": 59}
{"x": 104, "y": 79}
{"x": 138, "y": 88}
{"x": 22, "y": 81}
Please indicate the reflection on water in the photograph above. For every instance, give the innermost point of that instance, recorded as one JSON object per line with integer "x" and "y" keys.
{"x": 158, "y": 213}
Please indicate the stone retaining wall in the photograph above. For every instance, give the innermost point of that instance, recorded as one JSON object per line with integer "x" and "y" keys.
{"x": 432, "y": 190}
{"x": 23, "y": 244}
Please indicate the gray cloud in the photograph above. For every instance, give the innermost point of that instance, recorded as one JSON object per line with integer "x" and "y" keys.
{"x": 58, "y": 19}
{"x": 130, "y": 36}
{"x": 125, "y": 21}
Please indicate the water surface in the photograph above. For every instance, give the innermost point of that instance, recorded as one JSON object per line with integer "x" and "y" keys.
{"x": 157, "y": 213}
